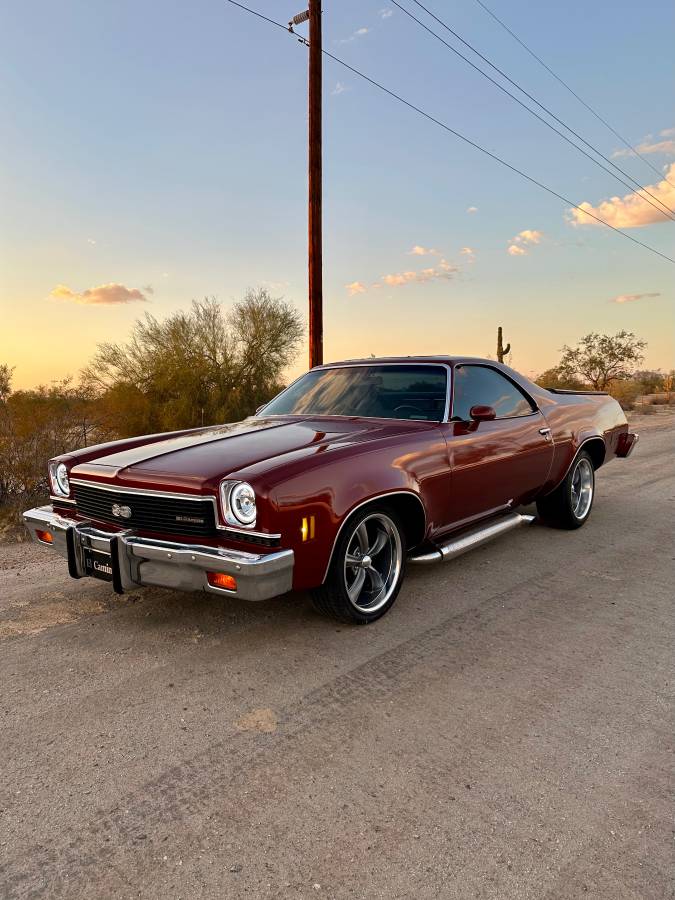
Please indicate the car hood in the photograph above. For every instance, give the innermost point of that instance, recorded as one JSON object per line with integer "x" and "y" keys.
{"x": 198, "y": 460}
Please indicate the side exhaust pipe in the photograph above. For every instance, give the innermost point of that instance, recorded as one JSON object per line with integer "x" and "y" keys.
{"x": 468, "y": 540}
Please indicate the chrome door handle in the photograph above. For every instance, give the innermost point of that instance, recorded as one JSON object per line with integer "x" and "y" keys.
{"x": 546, "y": 432}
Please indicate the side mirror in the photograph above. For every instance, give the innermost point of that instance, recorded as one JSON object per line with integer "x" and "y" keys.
{"x": 482, "y": 414}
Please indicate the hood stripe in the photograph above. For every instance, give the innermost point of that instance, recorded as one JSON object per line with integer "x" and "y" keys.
{"x": 146, "y": 452}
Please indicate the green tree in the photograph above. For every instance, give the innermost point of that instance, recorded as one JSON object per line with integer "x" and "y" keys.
{"x": 600, "y": 359}
{"x": 197, "y": 367}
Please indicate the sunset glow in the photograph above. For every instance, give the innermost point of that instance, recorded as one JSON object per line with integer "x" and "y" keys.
{"x": 136, "y": 187}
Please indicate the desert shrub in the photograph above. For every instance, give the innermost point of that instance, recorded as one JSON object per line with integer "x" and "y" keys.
{"x": 626, "y": 392}
{"x": 555, "y": 378}
{"x": 34, "y": 426}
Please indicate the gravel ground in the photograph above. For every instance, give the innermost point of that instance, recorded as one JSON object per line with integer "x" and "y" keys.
{"x": 505, "y": 732}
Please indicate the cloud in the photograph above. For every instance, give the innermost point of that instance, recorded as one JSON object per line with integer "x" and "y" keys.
{"x": 338, "y": 89}
{"x": 104, "y": 295}
{"x": 444, "y": 271}
{"x": 355, "y": 287}
{"x": 472, "y": 209}
{"x": 666, "y": 147}
{"x": 359, "y": 33}
{"x": 649, "y": 145}
{"x": 469, "y": 252}
{"x": 630, "y": 211}
{"x": 529, "y": 236}
{"x": 91, "y": 241}
{"x": 629, "y": 298}
{"x": 519, "y": 243}
{"x": 423, "y": 251}
{"x": 386, "y": 13}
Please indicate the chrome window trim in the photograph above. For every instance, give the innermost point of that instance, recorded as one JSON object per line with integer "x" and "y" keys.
{"x": 486, "y": 365}
{"x": 363, "y": 365}
{"x": 173, "y": 495}
{"x": 364, "y": 503}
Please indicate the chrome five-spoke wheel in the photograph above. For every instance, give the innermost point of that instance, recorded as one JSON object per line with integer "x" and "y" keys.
{"x": 372, "y": 562}
{"x": 582, "y": 484}
{"x": 569, "y": 505}
{"x": 367, "y": 567}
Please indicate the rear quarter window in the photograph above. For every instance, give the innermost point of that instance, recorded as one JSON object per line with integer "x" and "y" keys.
{"x": 484, "y": 386}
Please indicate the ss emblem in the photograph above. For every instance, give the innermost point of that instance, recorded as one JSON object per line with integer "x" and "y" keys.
{"x": 121, "y": 512}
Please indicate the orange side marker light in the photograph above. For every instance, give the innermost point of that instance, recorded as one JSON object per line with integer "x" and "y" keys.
{"x": 221, "y": 580}
{"x": 45, "y": 536}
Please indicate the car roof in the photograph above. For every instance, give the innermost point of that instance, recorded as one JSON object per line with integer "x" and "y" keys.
{"x": 389, "y": 360}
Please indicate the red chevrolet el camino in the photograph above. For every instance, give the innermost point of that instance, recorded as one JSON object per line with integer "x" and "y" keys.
{"x": 355, "y": 469}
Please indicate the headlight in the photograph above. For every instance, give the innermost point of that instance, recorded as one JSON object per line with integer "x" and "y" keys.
{"x": 238, "y": 503}
{"x": 58, "y": 475}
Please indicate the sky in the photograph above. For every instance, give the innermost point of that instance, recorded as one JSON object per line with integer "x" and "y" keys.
{"x": 154, "y": 153}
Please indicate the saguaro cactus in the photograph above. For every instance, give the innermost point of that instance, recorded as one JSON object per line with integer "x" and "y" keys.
{"x": 502, "y": 351}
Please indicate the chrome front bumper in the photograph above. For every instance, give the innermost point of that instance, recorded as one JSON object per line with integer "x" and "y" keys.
{"x": 136, "y": 561}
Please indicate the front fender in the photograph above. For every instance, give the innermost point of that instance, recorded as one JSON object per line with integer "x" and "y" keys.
{"x": 309, "y": 507}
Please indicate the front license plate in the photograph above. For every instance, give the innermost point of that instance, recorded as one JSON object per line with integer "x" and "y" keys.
{"x": 97, "y": 564}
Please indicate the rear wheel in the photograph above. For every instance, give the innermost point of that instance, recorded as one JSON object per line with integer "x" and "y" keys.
{"x": 366, "y": 570}
{"x": 569, "y": 505}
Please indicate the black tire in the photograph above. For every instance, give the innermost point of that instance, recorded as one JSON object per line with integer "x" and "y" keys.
{"x": 570, "y": 504}
{"x": 366, "y": 604}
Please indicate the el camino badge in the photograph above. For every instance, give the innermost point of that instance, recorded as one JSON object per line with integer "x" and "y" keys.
{"x": 121, "y": 512}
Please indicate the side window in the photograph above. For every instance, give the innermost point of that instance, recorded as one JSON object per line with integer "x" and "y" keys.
{"x": 483, "y": 386}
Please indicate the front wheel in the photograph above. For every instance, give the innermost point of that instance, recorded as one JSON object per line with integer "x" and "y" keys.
{"x": 366, "y": 570}
{"x": 569, "y": 505}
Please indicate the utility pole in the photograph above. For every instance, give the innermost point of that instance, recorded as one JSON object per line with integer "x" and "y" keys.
{"x": 315, "y": 185}
{"x": 313, "y": 13}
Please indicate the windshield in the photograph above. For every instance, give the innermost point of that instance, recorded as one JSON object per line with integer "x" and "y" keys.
{"x": 377, "y": 391}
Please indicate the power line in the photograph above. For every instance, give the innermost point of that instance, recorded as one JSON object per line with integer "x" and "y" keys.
{"x": 666, "y": 211}
{"x": 494, "y": 156}
{"x": 259, "y": 15}
{"x": 572, "y": 91}
{"x": 463, "y": 138}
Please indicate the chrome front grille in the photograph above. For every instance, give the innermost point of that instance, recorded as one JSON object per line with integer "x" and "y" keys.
{"x": 148, "y": 512}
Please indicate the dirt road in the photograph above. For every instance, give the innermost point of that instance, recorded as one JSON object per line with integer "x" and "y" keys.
{"x": 505, "y": 732}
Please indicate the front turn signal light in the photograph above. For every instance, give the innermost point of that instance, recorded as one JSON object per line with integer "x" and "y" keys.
{"x": 307, "y": 528}
{"x": 221, "y": 580}
{"x": 45, "y": 536}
